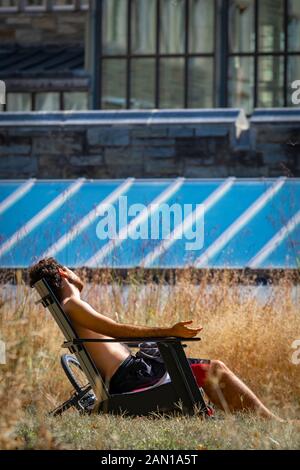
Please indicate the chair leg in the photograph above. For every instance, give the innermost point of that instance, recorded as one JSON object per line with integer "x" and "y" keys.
{"x": 83, "y": 401}
{"x": 72, "y": 401}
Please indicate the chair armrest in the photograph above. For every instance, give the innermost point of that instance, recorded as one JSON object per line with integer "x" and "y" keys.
{"x": 133, "y": 342}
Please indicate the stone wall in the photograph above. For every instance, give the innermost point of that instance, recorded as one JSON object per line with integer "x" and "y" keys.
{"x": 43, "y": 28}
{"x": 191, "y": 143}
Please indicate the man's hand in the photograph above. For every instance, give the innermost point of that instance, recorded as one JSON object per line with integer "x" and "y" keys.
{"x": 180, "y": 329}
{"x": 72, "y": 277}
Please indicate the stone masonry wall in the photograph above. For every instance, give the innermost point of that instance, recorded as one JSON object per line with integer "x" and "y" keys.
{"x": 118, "y": 147}
{"x": 43, "y": 28}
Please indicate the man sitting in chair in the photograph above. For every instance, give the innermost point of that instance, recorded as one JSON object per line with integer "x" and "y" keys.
{"x": 122, "y": 370}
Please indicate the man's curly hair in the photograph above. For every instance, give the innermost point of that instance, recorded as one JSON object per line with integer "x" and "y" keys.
{"x": 47, "y": 268}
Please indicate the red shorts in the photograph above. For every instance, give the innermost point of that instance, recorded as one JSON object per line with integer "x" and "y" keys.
{"x": 200, "y": 368}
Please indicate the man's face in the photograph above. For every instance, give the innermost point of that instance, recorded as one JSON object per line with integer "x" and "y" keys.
{"x": 72, "y": 277}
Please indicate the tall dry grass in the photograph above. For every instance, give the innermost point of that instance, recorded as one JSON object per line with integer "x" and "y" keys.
{"x": 252, "y": 336}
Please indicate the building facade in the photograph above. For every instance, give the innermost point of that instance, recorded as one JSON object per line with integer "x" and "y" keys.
{"x": 42, "y": 57}
{"x": 197, "y": 53}
{"x": 145, "y": 54}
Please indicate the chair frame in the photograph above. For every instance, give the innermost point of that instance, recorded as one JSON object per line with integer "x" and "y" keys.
{"x": 181, "y": 395}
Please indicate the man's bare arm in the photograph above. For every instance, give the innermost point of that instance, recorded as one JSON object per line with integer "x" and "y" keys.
{"x": 83, "y": 314}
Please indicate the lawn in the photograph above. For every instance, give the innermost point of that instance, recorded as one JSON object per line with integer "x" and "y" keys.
{"x": 251, "y": 333}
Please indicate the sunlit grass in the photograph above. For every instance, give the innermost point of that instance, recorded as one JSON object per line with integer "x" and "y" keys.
{"x": 252, "y": 337}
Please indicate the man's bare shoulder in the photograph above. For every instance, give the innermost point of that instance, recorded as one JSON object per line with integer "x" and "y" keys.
{"x": 83, "y": 314}
{"x": 73, "y": 304}
{"x": 76, "y": 305}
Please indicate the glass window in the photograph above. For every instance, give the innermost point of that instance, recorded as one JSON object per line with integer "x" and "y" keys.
{"x": 48, "y": 101}
{"x": 172, "y": 23}
{"x": 171, "y": 83}
{"x": 84, "y": 4}
{"x": 114, "y": 22}
{"x": 75, "y": 100}
{"x": 200, "y": 85}
{"x": 8, "y": 3}
{"x": 2, "y": 92}
{"x": 143, "y": 26}
{"x": 18, "y": 102}
{"x": 201, "y": 27}
{"x": 270, "y": 81}
{"x": 241, "y": 83}
{"x": 142, "y": 94}
{"x": 293, "y": 74}
{"x": 35, "y": 3}
{"x": 63, "y": 3}
{"x": 271, "y": 25}
{"x": 265, "y": 64}
{"x": 114, "y": 83}
{"x": 294, "y": 25}
{"x": 155, "y": 58}
{"x": 241, "y": 33}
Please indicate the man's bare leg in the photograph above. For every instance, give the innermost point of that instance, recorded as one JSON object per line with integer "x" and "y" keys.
{"x": 230, "y": 394}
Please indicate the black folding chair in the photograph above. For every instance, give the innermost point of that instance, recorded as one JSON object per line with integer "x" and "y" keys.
{"x": 181, "y": 394}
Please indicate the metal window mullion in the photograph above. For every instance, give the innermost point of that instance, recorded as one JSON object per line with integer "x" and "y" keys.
{"x": 221, "y": 52}
{"x": 256, "y": 13}
{"x": 128, "y": 61}
{"x": 33, "y": 101}
{"x": 186, "y": 56}
{"x": 214, "y": 104}
{"x": 157, "y": 58}
{"x": 286, "y": 48}
{"x": 77, "y": 4}
{"x": 259, "y": 54}
{"x": 61, "y": 101}
{"x": 96, "y": 14}
{"x": 22, "y": 5}
{"x": 161, "y": 56}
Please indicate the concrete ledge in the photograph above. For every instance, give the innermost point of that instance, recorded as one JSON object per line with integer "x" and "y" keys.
{"x": 275, "y": 115}
{"x": 235, "y": 117}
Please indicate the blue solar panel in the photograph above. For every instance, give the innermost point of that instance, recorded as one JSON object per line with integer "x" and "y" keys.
{"x": 82, "y": 248}
{"x": 217, "y": 219}
{"x": 264, "y": 225}
{"x": 7, "y": 188}
{"x": 131, "y": 254}
{"x": 247, "y": 222}
{"x": 286, "y": 254}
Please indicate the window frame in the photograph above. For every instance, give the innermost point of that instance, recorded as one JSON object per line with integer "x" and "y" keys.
{"x": 257, "y": 54}
{"x": 100, "y": 56}
{"x": 33, "y": 94}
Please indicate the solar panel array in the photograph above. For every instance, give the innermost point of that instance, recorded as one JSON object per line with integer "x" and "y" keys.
{"x": 243, "y": 222}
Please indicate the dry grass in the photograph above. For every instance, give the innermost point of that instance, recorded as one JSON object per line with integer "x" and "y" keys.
{"x": 252, "y": 337}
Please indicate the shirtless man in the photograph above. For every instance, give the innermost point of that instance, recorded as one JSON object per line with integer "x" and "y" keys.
{"x": 119, "y": 367}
